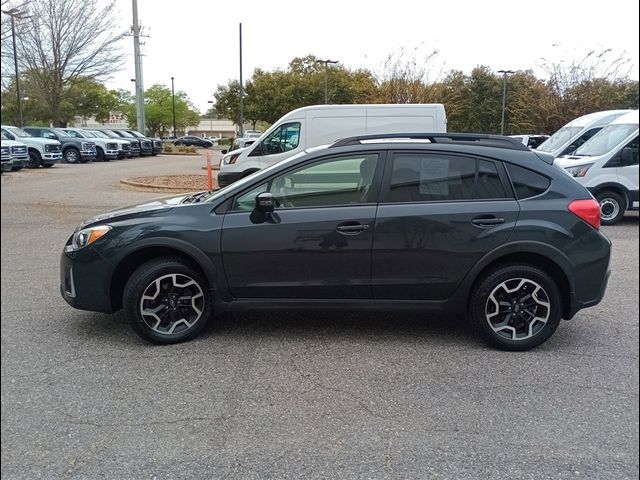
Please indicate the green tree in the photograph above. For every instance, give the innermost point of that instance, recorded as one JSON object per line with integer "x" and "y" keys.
{"x": 159, "y": 110}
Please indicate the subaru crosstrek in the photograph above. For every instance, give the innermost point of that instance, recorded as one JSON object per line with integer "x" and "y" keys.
{"x": 458, "y": 223}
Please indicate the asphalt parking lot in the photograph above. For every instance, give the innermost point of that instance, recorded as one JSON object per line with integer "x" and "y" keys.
{"x": 258, "y": 396}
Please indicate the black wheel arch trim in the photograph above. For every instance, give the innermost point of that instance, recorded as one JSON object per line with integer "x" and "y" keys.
{"x": 524, "y": 248}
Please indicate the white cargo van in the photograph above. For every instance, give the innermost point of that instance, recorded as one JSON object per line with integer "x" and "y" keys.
{"x": 566, "y": 140}
{"x": 323, "y": 124}
{"x": 607, "y": 164}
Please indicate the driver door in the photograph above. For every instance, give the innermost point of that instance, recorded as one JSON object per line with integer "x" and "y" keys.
{"x": 317, "y": 243}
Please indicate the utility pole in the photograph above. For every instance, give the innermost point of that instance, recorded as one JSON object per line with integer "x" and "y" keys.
{"x": 504, "y": 95}
{"x": 241, "y": 88}
{"x": 136, "y": 29}
{"x": 211, "y": 115}
{"x": 15, "y": 13}
{"x": 173, "y": 108}
{"x": 326, "y": 85}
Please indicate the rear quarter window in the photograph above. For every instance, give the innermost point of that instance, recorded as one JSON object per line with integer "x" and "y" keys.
{"x": 527, "y": 183}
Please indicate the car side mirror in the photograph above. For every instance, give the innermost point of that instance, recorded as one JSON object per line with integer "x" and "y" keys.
{"x": 52, "y": 136}
{"x": 224, "y": 151}
{"x": 265, "y": 202}
{"x": 626, "y": 157}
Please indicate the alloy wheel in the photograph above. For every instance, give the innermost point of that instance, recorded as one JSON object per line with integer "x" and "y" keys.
{"x": 172, "y": 304}
{"x": 517, "y": 309}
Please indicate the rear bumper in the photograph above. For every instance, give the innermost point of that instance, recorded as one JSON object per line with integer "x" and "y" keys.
{"x": 576, "y": 304}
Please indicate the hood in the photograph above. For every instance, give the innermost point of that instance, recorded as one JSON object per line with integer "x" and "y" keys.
{"x": 12, "y": 143}
{"x": 161, "y": 205}
{"x": 236, "y": 151}
{"x": 38, "y": 140}
{"x": 573, "y": 160}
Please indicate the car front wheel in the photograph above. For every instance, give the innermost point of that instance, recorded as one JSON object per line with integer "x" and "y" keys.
{"x": 166, "y": 300}
{"x": 516, "y": 307}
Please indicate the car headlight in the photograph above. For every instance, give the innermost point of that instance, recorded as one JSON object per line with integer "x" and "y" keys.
{"x": 87, "y": 236}
{"x": 579, "y": 170}
{"x": 230, "y": 160}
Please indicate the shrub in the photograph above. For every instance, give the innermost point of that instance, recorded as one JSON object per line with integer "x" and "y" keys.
{"x": 168, "y": 147}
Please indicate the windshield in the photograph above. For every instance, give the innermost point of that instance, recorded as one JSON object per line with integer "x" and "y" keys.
{"x": 18, "y": 132}
{"x": 559, "y": 139}
{"x": 125, "y": 134}
{"x": 98, "y": 134}
{"x": 136, "y": 134}
{"x": 60, "y": 132}
{"x": 606, "y": 139}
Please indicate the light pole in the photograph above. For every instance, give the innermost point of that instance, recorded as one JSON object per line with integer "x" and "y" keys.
{"x": 15, "y": 13}
{"x": 326, "y": 89}
{"x": 504, "y": 95}
{"x": 211, "y": 116}
{"x": 173, "y": 108}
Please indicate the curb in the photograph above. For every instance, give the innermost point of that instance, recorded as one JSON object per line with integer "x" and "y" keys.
{"x": 125, "y": 181}
{"x": 180, "y": 153}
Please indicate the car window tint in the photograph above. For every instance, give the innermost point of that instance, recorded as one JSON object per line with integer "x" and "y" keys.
{"x": 527, "y": 183}
{"x": 247, "y": 201}
{"x": 488, "y": 183}
{"x": 341, "y": 181}
{"x": 425, "y": 178}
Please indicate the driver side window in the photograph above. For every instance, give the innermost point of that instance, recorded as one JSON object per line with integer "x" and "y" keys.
{"x": 282, "y": 139}
{"x": 339, "y": 181}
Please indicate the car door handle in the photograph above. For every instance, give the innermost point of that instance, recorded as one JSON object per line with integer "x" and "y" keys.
{"x": 487, "y": 221}
{"x": 352, "y": 227}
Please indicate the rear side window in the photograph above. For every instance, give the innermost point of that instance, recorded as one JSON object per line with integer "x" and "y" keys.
{"x": 527, "y": 183}
{"x": 432, "y": 178}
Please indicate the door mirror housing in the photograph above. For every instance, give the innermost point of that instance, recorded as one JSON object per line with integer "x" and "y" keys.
{"x": 52, "y": 136}
{"x": 626, "y": 157}
{"x": 265, "y": 202}
{"x": 224, "y": 151}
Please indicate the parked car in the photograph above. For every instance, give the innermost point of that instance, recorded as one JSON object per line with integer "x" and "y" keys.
{"x": 213, "y": 140}
{"x": 145, "y": 144}
{"x": 5, "y": 156}
{"x": 323, "y": 124}
{"x": 459, "y": 223}
{"x": 18, "y": 154}
{"x": 123, "y": 146}
{"x": 531, "y": 141}
{"x": 43, "y": 152}
{"x": 74, "y": 150}
{"x": 607, "y": 164}
{"x": 567, "y": 140}
{"x": 134, "y": 143}
{"x": 106, "y": 148}
{"x": 191, "y": 140}
{"x": 151, "y": 145}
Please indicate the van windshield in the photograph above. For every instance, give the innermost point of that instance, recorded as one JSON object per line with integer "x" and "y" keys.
{"x": 559, "y": 139}
{"x": 606, "y": 139}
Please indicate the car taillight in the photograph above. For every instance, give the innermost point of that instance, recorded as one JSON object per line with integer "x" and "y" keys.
{"x": 587, "y": 210}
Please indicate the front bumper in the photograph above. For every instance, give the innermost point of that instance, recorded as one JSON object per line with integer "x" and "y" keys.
{"x": 7, "y": 165}
{"x": 85, "y": 280}
{"x": 51, "y": 158}
{"x": 88, "y": 155}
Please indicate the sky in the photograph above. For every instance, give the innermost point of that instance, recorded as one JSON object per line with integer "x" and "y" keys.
{"x": 197, "y": 41}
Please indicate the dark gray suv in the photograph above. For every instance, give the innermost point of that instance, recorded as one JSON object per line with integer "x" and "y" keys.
{"x": 471, "y": 224}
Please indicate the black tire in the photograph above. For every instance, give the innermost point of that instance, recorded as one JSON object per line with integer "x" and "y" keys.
{"x": 612, "y": 207}
{"x": 35, "y": 159}
{"x": 493, "y": 287}
{"x": 71, "y": 155}
{"x": 16, "y": 169}
{"x": 100, "y": 155}
{"x": 47, "y": 165}
{"x": 157, "y": 276}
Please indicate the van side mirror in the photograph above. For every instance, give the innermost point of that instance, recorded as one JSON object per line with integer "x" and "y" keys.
{"x": 626, "y": 157}
{"x": 224, "y": 152}
{"x": 265, "y": 202}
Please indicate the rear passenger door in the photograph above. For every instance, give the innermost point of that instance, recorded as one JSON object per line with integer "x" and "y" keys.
{"x": 438, "y": 215}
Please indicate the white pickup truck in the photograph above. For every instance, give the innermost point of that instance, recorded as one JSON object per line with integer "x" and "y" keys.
{"x": 42, "y": 151}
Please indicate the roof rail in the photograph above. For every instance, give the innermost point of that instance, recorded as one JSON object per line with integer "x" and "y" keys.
{"x": 486, "y": 140}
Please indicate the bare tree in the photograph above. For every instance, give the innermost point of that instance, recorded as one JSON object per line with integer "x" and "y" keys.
{"x": 69, "y": 39}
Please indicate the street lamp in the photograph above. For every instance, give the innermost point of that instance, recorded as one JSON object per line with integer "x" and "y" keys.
{"x": 326, "y": 90}
{"x": 15, "y": 13}
{"x": 173, "y": 107}
{"x": 211, "y": 116}
{"x": 504, "y": 95}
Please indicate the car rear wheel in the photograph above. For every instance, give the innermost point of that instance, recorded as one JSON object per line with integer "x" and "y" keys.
{"x": 167, "y": 301}
{"x": 612, "y": 207}
{"x": 516, "y": 307}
